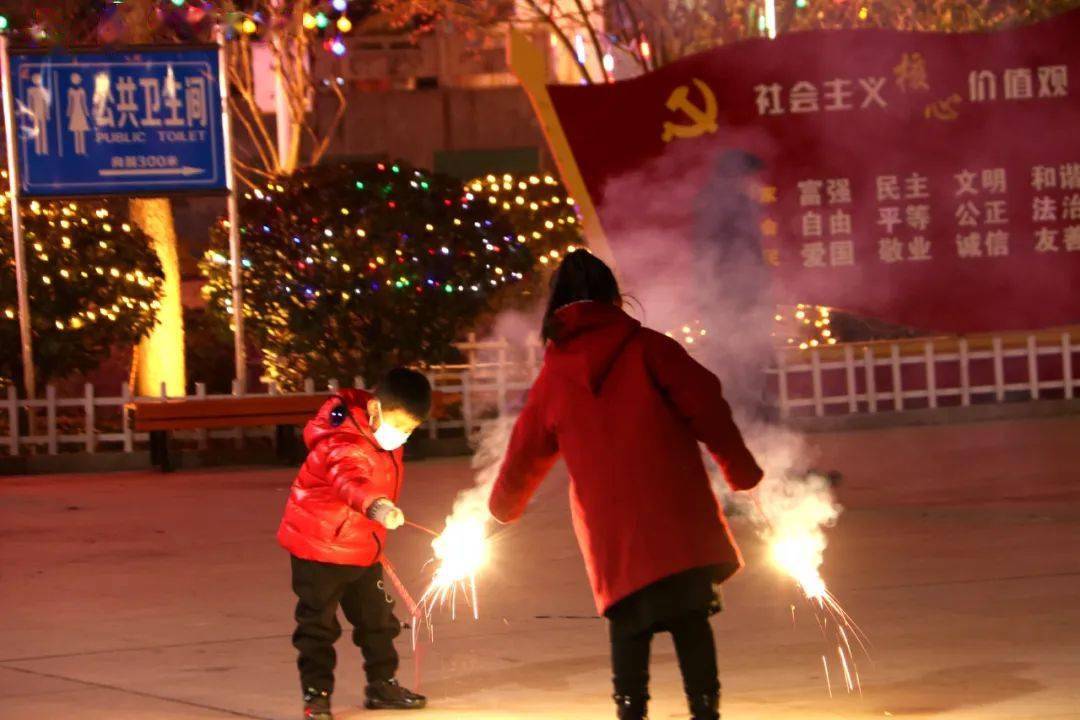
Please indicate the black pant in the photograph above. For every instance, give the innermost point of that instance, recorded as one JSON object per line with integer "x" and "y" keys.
{"x": 321, "y": 587}
{"x": 694, "y": 647}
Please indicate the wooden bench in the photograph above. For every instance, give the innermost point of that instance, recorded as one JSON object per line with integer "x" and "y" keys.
{"x": 160, "y": 417}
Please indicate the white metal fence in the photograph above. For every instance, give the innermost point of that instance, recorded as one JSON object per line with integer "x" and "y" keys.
{"x": 925, "y": 373}
{"x": 872, "y": 377}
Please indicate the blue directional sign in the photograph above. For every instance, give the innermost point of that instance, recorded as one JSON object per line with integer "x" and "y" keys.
{"x": 136, "y": 122}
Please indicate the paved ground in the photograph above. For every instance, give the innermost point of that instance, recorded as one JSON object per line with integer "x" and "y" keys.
{"x": 135, "y": 595}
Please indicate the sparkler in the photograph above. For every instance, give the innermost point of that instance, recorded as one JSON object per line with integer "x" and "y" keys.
{"x": 460, "y": 552}
{"x": 794, "y": 532}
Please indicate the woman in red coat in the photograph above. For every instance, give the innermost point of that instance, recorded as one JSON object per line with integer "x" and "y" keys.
{"x": 626, "y": 408}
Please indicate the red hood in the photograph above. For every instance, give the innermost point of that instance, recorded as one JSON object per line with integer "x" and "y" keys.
{"x": 320, "y": 426}
{"x": 592, "y": 336}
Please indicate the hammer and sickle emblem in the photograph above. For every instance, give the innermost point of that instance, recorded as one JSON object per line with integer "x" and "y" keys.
{"x": 702, "y": 119}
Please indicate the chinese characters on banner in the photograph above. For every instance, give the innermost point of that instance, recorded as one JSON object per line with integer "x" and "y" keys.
{"x": 96, "y": 123}
{"x": 929, "y": 180}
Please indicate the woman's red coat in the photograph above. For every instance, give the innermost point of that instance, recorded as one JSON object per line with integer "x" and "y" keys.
{"x": 626, "y": 407}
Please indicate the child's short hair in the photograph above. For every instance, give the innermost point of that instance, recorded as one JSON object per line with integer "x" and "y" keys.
{"x": 405, "y": 389}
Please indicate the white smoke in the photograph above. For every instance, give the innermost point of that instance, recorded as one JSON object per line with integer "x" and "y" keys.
{"x": 491, "y": 445}
{"x": 718, "y": 284}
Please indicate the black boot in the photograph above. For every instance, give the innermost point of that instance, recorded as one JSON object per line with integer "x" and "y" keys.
{"x": 631, "y": 707}
{"x": 317, "y": 705}
{"x": 705, "y": 707}
{"x": 389, "y": 695}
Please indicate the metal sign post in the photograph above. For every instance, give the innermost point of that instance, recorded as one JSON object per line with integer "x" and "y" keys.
{"x": 12, "y": 134}
{"x": 136, "y": 121}
{"x": 235, "y": 258}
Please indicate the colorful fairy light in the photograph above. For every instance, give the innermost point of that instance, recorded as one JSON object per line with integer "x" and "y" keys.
{"x": 363, "y": 237}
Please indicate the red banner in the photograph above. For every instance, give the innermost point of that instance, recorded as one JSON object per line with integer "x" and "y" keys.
{"x": 930, "y": 180}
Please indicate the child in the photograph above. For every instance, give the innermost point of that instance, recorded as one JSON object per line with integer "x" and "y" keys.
{"x": 626, "y": 408}
{"x": 341, "y": 505}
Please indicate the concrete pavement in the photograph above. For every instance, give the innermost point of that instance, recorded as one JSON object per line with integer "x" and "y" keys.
{"x": 137, "y": 595}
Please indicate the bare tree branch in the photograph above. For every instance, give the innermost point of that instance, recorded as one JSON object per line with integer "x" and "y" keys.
{"x": 328, "y": 133}
{"x": 587, "y": 21}
{"x": 564, "y": 39}
{"x": 251, "y": 169}
{"x": 246, "y": 109}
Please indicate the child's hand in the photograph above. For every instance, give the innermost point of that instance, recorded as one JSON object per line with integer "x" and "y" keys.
{"x": 386, "y": 513}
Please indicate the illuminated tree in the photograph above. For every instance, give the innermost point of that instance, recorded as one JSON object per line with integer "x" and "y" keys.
{"x": 94, "y": 284}
{"x": 542, "y": 216}
{"x": 350, "y": 269}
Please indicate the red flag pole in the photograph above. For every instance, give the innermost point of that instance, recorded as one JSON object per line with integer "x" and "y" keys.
{"x": 528, "y": 64}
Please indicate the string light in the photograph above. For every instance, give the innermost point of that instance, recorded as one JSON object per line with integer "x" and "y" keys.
{"x": 362, "y": 240}
{"x": 805, "y": 326}
{"x": 86, "y": 276}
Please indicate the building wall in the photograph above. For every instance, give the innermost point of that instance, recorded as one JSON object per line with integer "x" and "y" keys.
{"x": 420, "y": 125}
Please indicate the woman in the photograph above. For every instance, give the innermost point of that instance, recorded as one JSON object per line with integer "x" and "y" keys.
{"x": 626, "y": 408}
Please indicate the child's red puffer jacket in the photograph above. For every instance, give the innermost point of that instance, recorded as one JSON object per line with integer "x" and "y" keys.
{"x": 626, "y": 407}
{"x": 344, "y": 473}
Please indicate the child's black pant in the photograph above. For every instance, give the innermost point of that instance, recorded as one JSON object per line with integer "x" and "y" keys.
{"x": 694, "y": 646}
{"x": 321, "y": 587}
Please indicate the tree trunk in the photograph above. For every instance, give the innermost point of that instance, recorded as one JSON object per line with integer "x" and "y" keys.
{"x": 161, "y": 354}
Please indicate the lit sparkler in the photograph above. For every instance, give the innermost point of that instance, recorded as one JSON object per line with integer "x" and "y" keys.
{"x": 795, "y": 536}
{"x": 462, "y": 549}
{"x": 460, "y": 552}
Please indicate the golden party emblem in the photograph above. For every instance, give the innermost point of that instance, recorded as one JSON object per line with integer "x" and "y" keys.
{"x": 701, "y": 118}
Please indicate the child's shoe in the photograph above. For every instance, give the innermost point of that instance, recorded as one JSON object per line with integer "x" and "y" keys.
{"x": 631, "y": 707}
{"x": 390, "y": 695}
{"x": 317, "y": 705}
{"x": 705, "y": 707}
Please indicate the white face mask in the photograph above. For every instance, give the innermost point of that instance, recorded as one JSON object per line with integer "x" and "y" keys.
{"x": 389, "y": 437}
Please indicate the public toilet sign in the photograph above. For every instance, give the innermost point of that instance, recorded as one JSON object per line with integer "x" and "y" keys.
{"x": 141, "y": 121}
